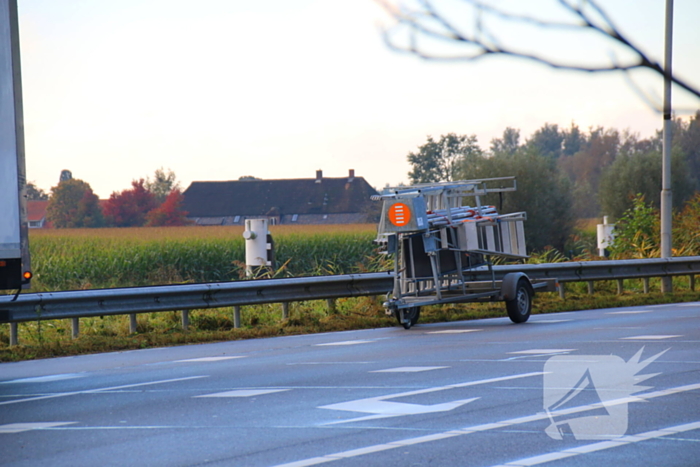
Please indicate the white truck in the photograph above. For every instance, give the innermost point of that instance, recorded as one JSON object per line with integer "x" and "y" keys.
{"x": 14, "y": 248}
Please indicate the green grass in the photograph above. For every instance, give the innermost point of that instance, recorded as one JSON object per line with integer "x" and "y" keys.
{"x": 103, "y": 258}
{"x": 47, "y": 339}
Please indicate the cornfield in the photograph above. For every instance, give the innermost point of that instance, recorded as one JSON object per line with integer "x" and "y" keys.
{"x": 70, "y": 259}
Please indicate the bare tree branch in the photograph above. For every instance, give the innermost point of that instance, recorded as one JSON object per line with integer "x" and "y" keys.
{"x": 423, "y": 20}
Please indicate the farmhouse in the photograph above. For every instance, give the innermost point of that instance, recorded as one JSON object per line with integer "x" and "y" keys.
{"x": 317, "y": 200}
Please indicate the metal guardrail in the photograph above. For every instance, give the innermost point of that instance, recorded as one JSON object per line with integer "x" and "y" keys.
{"x": 132, "y": 300}
{"x": 103, "y": 302}
{"x": 583, "y": 271}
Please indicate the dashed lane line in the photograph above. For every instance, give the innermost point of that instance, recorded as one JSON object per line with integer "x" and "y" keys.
{"x": 92, "y": 391}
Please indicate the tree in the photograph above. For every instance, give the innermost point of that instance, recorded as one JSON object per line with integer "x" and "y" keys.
{"x": 632, "y": 175}
{"x": 574, "y": 140}
{"x": 129, "y": 208}
{"x": 162, "y": 184}
{"x": 508, "y": 144}
{"x": 597, "y": 151}
{"x": 542, "y": 192}
{"x": 420, "y": 25}
{"x": 688, "y": 137}
{"x": 35, "y": 193}
{"x": 169, "y": 213}
{"x": 73, "y": 205}
{"x": 547, "y": 141}
{"x": 436, "y": 161}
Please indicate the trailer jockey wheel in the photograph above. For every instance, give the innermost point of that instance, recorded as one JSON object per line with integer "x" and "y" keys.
{"x": 520, "y": 307}
{"x": 410, "y": 316}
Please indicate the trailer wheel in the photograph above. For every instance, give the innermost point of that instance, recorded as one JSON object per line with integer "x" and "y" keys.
{"x": 520, "y": 307}
{"x": 411, "y": 316}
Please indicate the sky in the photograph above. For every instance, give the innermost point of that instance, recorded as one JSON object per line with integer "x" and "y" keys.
{"x": 219, "y": 89}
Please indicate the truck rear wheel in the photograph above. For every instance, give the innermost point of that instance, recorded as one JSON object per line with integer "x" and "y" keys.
{"x": 520, "y": 307}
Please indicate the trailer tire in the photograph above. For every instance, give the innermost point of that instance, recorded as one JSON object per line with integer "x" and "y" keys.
{"x": 520, "y": 306}
{"x": 411, "y": 315}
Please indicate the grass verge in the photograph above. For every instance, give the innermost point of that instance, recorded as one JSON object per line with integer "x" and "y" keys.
{"x": 46, "y": 339}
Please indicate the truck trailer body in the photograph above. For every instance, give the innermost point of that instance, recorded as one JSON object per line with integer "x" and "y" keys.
{"x": 14, "y": 248}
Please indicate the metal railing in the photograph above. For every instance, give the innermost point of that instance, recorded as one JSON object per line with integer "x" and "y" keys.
{"x": 132, "y": 300}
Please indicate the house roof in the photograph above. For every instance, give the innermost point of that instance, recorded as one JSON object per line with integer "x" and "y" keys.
{"x": 36, "y": 210}
{"x": 277, "y": 197}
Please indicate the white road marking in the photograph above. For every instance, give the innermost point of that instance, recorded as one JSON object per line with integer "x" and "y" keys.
{"x": 625, "y": 440}
{"x": 207, "y": 359}
{"x": 20, "y": 427}
{"x": 381, "y": 408}
{"x": 329, "y": 363}
{"x": 244, "y": 393}
{"x": 344, "y": 343}
{"x": 629, "y": 312}
{"x": 696, "y": 304}
{"x": 45, "y": 379}
{"x": 540, "y": 351}
{"x": 409, "y": 369}
{"x": 454, "y": 331}
{"x": 650, "y": 337}
{"x": 92, "y": 391}
{"x": 549, "y": 321}
{"x": 491, "y": 426}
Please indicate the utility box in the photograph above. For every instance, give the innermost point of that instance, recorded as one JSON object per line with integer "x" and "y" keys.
{"x": 606, "y": 235}
{"x": 259, "y": 246}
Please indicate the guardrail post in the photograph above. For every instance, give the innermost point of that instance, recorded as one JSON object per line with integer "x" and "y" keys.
{"x": 236, "y": 316}
{"x": 692, "y": 282}
{"x": 562, "y": 291}
{"x": 590, "y": 288}
{"x": 132, "y": 323}
{"x": 285, "y": 310}
{"x": 645, "y": 281}
{"x": 620, "y": 286}
{"x": 75, "y": 327}
{"x": 332, "y": 309}
{"x": 13, "y": 334}
{"x": 185, "y": 319}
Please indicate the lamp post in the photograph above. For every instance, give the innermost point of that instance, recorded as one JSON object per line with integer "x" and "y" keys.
{"x": 666, "y": 193}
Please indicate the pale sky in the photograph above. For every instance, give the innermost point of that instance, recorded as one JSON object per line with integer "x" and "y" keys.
{"x": 219, "y": 89}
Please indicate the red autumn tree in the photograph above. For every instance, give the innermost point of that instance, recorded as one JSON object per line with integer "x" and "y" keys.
{"x": 129, "y": 208}
{"x": 169, "y": 213}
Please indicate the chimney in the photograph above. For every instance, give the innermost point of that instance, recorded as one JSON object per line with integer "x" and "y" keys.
{"x": 319, "y": 176}
{"x": 351, "y": 175}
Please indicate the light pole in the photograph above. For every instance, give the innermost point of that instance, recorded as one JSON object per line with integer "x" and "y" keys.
{"x": 666, "y": 193}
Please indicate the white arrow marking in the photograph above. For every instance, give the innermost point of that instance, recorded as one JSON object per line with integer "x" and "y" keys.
{"x": 381, "y": 408}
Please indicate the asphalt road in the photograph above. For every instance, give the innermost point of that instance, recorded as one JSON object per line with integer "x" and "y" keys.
{"x": 589, "y": 388}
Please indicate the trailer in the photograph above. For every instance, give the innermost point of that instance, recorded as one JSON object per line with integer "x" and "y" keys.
{"x": 438, "y": 232}
{"x": 14, "y": 249}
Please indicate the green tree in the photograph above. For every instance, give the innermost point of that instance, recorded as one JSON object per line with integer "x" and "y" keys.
{"x": 547, "y": 141}
{"x": 73, "y": 204}
{"x": 508, "y": 144}
{"x": 437, "y": 161}
{"x": 542, "y": 192}
{"x": 687, "y": 136}
{"x": 35, "y": 193}
{"x": 637, "y": 232}
{"x": 163, "y": 182}
{"x": 574, "y": 140}
{"x": 640, "y": 174}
